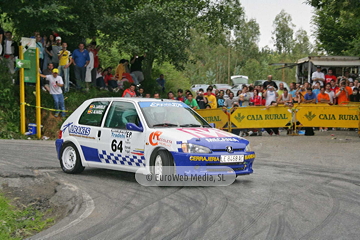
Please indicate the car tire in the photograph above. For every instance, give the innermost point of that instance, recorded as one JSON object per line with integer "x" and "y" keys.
{"x": 162, "y": 159}
{"x": 70, "y": 161}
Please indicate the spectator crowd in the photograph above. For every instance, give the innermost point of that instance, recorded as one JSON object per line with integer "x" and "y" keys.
{"x": 324, "y": 89}
{"x": 55, "y": 57}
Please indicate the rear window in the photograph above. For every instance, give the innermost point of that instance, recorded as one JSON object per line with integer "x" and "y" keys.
{"x": 94, "y": 114}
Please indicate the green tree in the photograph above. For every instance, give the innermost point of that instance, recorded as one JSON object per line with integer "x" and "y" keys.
{"x": 283, "y": 32}
{"x": 160, "y": 28}
{"x": 337, "y": 25}
{"x": 302, "y": 44}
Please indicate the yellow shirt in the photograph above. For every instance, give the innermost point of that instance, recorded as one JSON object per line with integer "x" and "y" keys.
{"x": 212, "y": 101}
{"x": 120, "y": 69}
{"x": 64, "y": 57}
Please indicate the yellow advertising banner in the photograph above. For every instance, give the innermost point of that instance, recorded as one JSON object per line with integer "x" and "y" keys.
{"x": 328, "y": 116}
{"x": 261, "y": 117}
{"x": 216, "y": 116}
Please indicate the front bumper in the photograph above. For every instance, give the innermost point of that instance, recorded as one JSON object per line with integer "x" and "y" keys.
{"x": 210, "y": 163}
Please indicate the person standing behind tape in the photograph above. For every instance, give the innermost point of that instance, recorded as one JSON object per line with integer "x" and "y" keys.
{"x": 270, "y": 95}
{"x": 55, "y": 83}
{"x": 55, "y": 52}
{"x": 81, "y": 60}
{"x": 136, "y": 67}
{"x": 65, "y": 60}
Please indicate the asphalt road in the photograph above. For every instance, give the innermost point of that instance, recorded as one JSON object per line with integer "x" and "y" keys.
{"x": 302, "y": 188}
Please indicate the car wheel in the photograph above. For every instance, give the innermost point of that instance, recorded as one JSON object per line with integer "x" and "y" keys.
{"x": 162, "y": 164}
{"x": 70, "y": 161}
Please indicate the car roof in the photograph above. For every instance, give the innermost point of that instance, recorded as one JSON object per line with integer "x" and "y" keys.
{"x": 132, "y": 99}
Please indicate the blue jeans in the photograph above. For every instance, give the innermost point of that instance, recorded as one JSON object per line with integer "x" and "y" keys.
{"x": 100, "y": 82}
{"x": 59, "y": 103}
{"x": 79, "y": 75}
{"x": 112, "y": 84}
{"x": 64, "y": 73}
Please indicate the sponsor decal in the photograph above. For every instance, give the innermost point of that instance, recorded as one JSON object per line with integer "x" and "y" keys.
{"x": 266, "y": 117}
{"x": 115, "y": 133}
{"x": 203, "y": 159}
{"x": 159, "y": 104}
{"x": 137, "y": 151}
{"x": 239, "y": 117}
{"x": 205, "y": 132}
{"x": 251, "y": 156}
{"x": 78, "y": 131}
{"x": 222, "y": 139}
{"x": 100, "y": 112}
{"x": 93, "y": 106}
{"x": 346, "y": 117}
{"x": 156, "y": 139}
{"x": 310, "y": 116}
{"x": 255, "y": 117}
{"x": 212, "y": 119}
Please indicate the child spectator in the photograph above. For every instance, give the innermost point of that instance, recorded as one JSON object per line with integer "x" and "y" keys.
{"x": 211, "y": 99}
{"x": 180, "y": 96}
{"x": 190, "y": 101}
{"x": 171, "y": 95}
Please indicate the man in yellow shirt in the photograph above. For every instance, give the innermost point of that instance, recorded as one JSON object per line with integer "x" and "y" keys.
{"x": 65, "y": 60}
{"x": 211, "y": 99}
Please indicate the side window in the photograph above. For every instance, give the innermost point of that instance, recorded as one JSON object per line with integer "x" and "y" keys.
{"x": 94, "y": 114}
{"x": 120, "y": 114}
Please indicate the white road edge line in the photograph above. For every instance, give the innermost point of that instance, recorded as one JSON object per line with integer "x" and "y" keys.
{"x": 90, "y": 206}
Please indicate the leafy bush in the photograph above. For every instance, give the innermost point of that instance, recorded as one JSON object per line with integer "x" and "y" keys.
{"x": 9, "y": 104}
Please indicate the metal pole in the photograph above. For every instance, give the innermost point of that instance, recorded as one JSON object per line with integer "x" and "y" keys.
{"x": 38, "y": 97}
{"x": 309, "y": 72}
{"x": 229, "y": 66}
{"x": 22, "y": 94}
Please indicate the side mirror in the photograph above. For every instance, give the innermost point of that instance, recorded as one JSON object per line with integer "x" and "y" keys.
{"x": 134, "y": 127}
{"x": 212, "y": 125}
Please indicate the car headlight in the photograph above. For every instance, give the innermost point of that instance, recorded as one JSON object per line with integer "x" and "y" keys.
{"x": 248, "y": 148}
{"x": 193, "y": 148}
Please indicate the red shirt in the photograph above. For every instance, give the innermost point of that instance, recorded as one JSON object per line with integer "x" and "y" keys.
{"x": 107, "y": 78}
{"x": 334, "y": 89}
{"x": 256, "y": 100}
{"x": 328, "y": 78}
{"x": 128, "y": 91}
{"x": 96, "y": 58}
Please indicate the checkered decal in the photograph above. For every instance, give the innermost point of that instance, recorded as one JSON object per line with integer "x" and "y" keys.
{"x": 112, "y": 158}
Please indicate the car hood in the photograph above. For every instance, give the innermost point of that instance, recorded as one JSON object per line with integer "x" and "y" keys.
{"x": 210, "y": 137}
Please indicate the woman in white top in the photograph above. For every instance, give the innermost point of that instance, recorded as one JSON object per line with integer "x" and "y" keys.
{"x": 285, "y": 98}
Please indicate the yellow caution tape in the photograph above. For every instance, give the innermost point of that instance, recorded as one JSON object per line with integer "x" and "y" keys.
{"x": 49, "y": 109}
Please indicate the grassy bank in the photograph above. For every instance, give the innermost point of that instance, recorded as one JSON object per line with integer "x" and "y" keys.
{"x": 18, "y": 223}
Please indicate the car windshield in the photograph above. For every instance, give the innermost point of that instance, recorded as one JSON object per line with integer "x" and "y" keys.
{"x": 170, "y": 114}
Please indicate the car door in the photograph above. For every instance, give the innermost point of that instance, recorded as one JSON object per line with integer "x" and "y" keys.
{"x": 119, "y": 147}
{"x": 87, "y": 129}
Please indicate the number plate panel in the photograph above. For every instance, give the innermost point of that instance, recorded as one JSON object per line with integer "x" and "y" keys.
{"x": 232, "y": 158}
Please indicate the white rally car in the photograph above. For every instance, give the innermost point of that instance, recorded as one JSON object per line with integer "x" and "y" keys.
{"x": 143, "y": 135}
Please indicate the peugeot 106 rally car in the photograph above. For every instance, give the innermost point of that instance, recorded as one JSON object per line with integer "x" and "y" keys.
{"x": 143, "y": 134}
